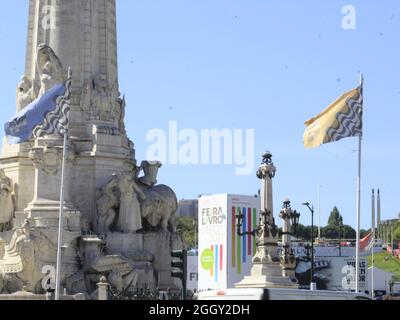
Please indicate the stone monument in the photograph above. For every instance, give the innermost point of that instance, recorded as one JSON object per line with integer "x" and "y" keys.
{"x": 267, "y": 271}
{"x": 118, "y": 223}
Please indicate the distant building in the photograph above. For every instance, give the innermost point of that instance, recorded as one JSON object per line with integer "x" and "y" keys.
{"x": 188, "y": 208}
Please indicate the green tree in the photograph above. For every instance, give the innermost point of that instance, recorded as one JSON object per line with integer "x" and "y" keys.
{"x": 301, "y": 232}
{"x": 335, "y": 218}
{"x": 396, "y": 234}
{"x": 304, "y": 232}
{"x": 330, "y": 232}
{"x": 363, "y": 233}
{"x": 186, "y": 227}
{"x": 347, "y": 232}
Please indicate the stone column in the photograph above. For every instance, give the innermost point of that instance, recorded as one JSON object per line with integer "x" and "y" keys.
{"x": 269, "y": 237}
{"x": 81, "y": 32}
{"x": 288, "y": 260}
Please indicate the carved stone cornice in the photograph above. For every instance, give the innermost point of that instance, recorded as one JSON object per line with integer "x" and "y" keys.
{"x": 49, "y": 159}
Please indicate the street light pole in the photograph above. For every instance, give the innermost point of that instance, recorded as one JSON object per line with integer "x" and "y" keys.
{"x": 312, "y": 247}
{"x": 311, "y": 208}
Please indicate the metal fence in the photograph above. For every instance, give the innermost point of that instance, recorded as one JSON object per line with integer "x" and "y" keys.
{"x": 145, "y": 293}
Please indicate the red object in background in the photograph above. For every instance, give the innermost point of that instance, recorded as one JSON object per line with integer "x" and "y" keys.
{"x": 366, "y": 242}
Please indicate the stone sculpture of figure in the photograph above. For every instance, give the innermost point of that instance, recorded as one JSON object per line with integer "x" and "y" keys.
{"x": 120, "y": 111}
{"x": 26, "y": 229}
{"x": 6, "y": 202}
{"x": 130, "y": 218}
{"x": 86, "y": 96}
{"x": 101, "y": 97}
{"x": 50, "y": 69}
{"x": 25, "y": 93}
{"x": 106, "y": 204}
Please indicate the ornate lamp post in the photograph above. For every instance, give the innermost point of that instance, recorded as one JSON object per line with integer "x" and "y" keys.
{"x": 266, "y": 271}
{"x": 255, "y": 232}
{"x": 311, "y": 208}
{"x": 290, "y": 222}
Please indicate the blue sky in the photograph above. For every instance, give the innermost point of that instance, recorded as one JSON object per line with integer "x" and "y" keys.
{"x": 255, "y": 64}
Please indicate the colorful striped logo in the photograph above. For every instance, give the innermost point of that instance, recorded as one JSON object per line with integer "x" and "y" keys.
{"x": 243, "y": 248}
{"x": 218, "y": 251}
{"x": 212, "y": 259}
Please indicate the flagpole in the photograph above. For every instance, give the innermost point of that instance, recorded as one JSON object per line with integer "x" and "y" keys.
{"x": 319, "y": 212}
{"x": 60, "y": 222}
{"x": 373, "y": 243}
{"x": 61, "y": 214}
{"x": 358, "y": 207}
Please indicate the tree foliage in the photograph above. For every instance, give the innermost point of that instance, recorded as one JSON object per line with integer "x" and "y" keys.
{"x": 330, "y": 232}
{"x": 334, "y": 230}
{"x": 186, "y": 227}
{"x": 347, "y": 232}
{"x": 396, "y": 233}
{"x": 363, "y": 233}
{"x": 335, "y": 218}
{"x": 304, "y": 232}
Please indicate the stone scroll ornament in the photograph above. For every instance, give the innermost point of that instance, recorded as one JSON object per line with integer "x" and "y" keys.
{"x": 49, "y": 113}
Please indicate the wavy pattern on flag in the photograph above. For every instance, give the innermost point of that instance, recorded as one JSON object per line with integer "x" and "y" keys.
{"x": 57, "y": 120}
{"x": 350, "y": 123}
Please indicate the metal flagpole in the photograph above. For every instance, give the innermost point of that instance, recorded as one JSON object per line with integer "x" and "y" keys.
{"x": 373, "y": 242}
{"x": 61, "y": 215}
{"x": 378, "y": 212}
{"x": 319, "y": 212}
{"x": 358, "y": 208}
{"x": 61, "y": 220}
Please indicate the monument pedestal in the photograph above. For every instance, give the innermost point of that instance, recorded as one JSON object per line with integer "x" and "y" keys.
{"x": 127, "y": 244}
{"x": 266, "y": 275}
{"x": 161, "y": 244}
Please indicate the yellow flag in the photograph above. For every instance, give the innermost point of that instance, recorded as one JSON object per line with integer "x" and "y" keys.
{"x": 342, "y": 119}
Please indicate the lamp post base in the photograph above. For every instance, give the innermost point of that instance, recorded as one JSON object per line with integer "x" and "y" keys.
{"x": 266, "y": 275}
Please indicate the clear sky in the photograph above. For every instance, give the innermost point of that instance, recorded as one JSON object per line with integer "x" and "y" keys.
{"x": 255, "y": 64}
